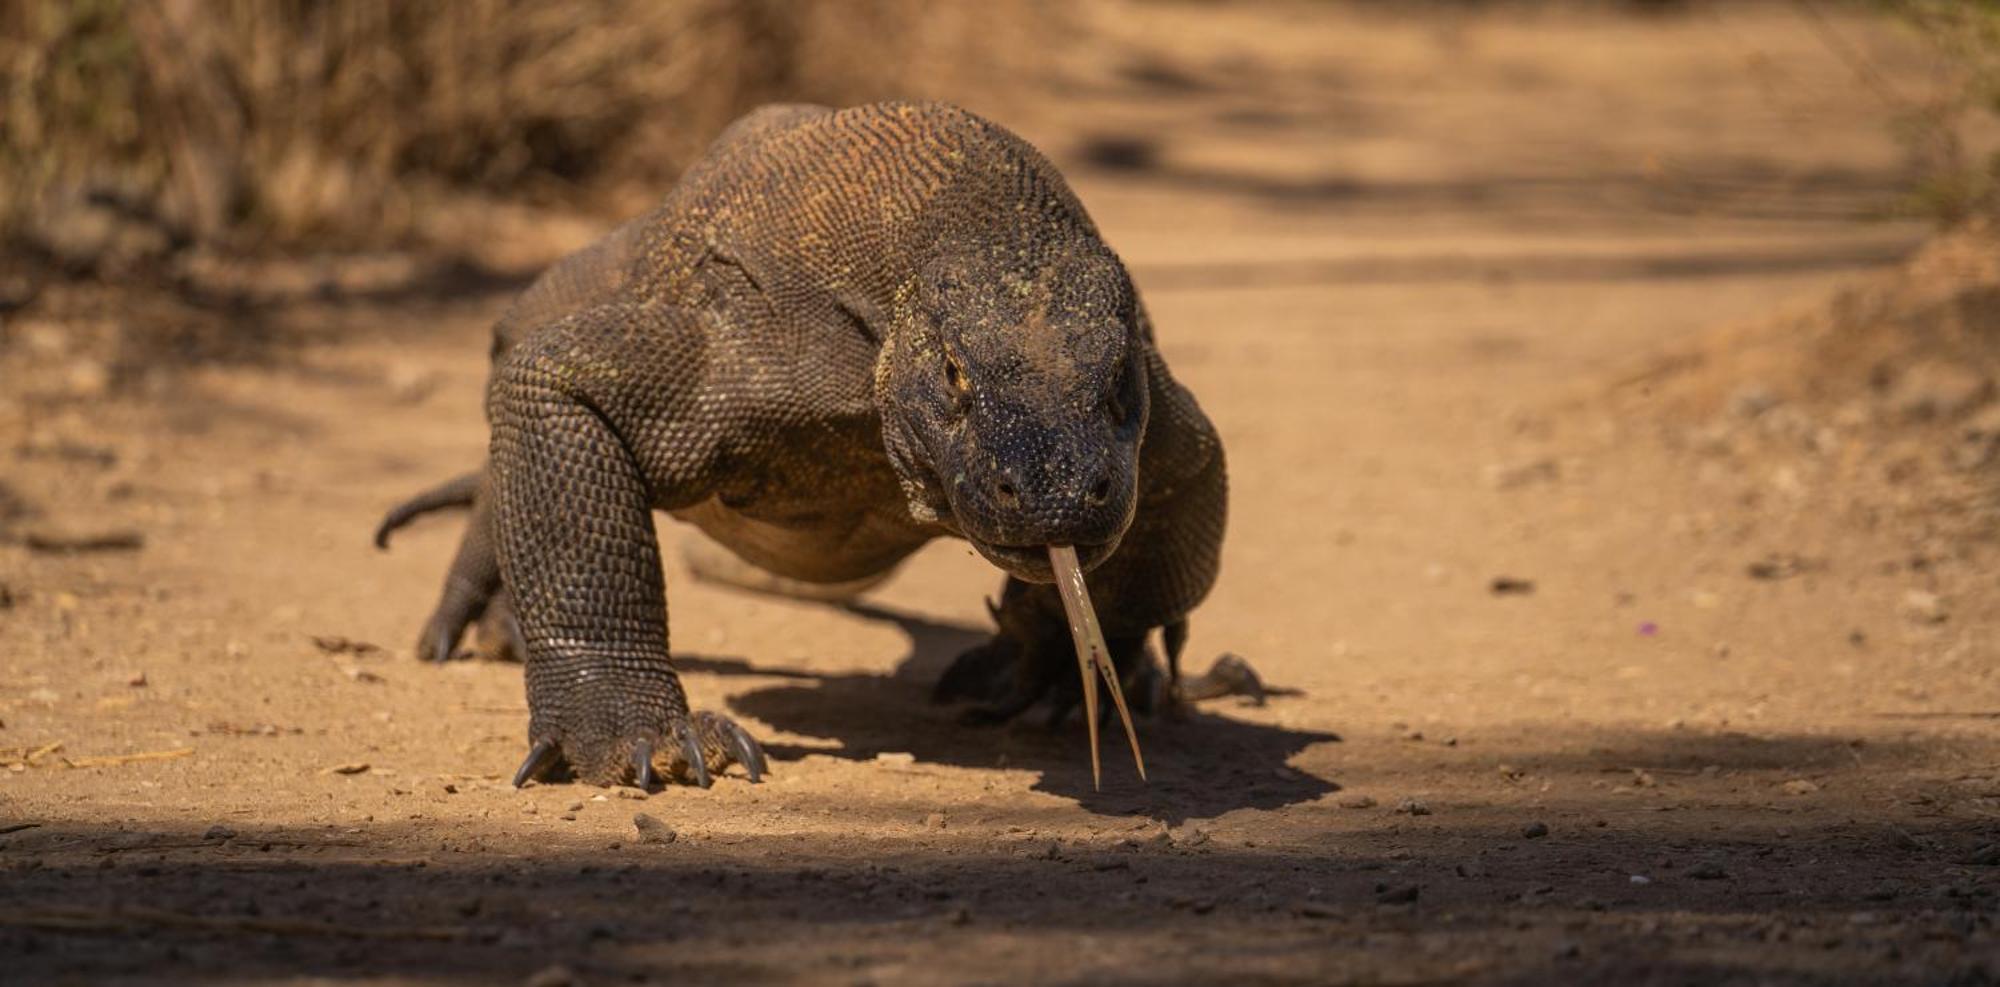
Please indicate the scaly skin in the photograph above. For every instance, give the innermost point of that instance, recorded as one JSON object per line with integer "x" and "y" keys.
{"x": 843, "y": 334}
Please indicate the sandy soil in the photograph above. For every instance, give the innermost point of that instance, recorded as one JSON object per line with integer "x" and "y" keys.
{"x": 1402, "y": 262}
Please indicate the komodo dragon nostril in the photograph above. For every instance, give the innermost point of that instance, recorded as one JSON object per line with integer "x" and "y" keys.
{"x": 1100, "y": 493}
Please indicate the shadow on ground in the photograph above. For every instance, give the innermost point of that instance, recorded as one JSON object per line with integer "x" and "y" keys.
{"x": 1201, "y": 764}
{"x": 97, "y": 903}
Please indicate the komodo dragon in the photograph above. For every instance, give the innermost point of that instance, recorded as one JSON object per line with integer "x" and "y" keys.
{"x": 844, "y": 333}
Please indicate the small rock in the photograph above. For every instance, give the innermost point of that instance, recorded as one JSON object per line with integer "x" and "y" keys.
{"x": 1312, "y": 910}
{"x": 637, "y": 794}
{"x": 1780, "y": 565}
{"x": 1707, "y": 872}
{"x": 574, "y": 807}
{"x": 896, "y": 758}
{"x": 1935, "y": 389}
{"x": 1752, "y": 400}
{"x": 1357, "y": 801}
{"x": 1396, "y": 896}
{"x": 961, "y": 916}
{"x": 934, "y": 821}
{"x": 652, "y": 830}
{"x": 1511, "y": 586}
{"x": 1535, "y": 830}
{"x": 88, "y": 378}
{"x": 1639, "y": 880}
{"x": 553, "y": 976}
{"x": 1413, "y": 807}
{"x": 1190, "y": 837}
{"x": 1923, "y": 607}
{"x": 1799, "y": 786}
{"x": 350, "y": 768}
{"x": 1502, "y": 476}
{"x": 136, "y": 680}
{"x": 219, "y": 832}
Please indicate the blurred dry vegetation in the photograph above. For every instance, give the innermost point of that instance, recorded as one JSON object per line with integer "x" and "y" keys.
{"x": 1949, "y": 127}
{"x": 255, "y": 123}
{"x": 174, "y": 172}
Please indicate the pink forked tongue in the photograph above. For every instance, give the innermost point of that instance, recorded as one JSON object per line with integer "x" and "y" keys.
{"x": 1092, "y": 657}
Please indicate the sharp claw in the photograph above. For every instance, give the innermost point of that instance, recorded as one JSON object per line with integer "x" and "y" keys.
{"x": 539, "y": 758}
{"x": 442, "y": 647}
{"x": 642, "y": 766}
{"x": 691, "y": 750}
{"x": 748, "y": 752}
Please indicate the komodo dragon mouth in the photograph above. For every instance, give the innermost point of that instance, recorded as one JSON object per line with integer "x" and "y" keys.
{"x": 1032, "y": 562}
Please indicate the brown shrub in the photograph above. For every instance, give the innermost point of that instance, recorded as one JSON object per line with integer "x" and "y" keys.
{"x": 252, "y": 122}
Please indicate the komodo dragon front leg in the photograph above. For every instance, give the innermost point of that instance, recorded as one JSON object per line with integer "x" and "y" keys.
{"x": 587, "y": 440}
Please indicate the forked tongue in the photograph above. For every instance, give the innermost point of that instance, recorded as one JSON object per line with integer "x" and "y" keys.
{"x": 1092, "y": 657}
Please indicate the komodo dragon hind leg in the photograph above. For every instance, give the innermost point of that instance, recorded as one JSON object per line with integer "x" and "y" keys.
{"x": 1032, "y": 657}
{"x": 497, "y": 635}
{"x": 469, "y": 591}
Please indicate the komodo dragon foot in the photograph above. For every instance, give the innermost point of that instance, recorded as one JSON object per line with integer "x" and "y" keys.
{"x": 704, "y": 745}
{"x": 1030, "y": 659}
{"x": 495, "y": 633}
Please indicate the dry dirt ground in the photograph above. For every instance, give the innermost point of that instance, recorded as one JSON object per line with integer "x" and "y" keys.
{"x": 1732, "y": 735}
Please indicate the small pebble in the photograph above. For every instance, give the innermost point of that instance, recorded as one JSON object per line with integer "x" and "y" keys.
{"x": 1396, "y": 896}
{"x": 1800, "y": 786}
{"x": 137, "y": 680}
{"x": 1357, "y": 801}
{"x": 351, "y": 768}
{"x": 1921, "y": 607}
{"x": 1707, "y": 872}
{"x": 1639, "y": 879}
{"x": 934, "y": 821}
{"x": 897, "y": 758}
{"x": 553, "y": 976}
{"x": 219, "y": 832}
{"x": 652, "y": 830}
{"x": 1535, "y": 830}
{"x": 1413, "y": 807}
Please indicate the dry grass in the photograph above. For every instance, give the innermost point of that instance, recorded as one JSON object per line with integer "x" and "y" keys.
{"x": 253, "y": 122}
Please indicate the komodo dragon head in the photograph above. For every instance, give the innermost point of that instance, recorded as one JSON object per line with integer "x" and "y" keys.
{"x": 1013, "y": 393}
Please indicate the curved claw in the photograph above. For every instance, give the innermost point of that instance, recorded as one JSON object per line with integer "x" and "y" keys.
{"x": 691, "y": 750}
{"x": 540, "y": 758}
{"x": 443, "y": 645}
{"x": 746, "y": 750}
{"x": 642, "y": 766}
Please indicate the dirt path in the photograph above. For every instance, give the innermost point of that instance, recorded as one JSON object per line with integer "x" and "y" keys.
{"x": 1394, "y": 259}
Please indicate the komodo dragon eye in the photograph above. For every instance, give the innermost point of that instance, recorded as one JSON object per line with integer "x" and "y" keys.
{"x": 954, "y": 376}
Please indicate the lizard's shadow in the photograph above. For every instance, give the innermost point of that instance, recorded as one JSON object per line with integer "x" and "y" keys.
{"x": 1200, "y": 765}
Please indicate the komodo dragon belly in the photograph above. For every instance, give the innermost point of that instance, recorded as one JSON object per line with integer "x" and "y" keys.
{"x": 813, "y": 509}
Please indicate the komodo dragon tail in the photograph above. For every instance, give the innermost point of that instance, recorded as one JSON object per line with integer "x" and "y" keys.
{"x": 455, "y": 492}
